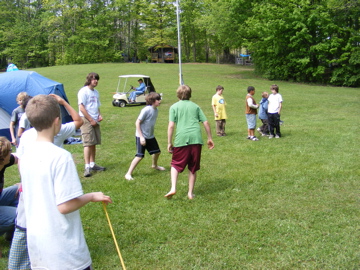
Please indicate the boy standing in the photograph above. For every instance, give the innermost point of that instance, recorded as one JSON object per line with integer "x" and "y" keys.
{"x": 263, "y": 107}
{"x": 89, "y": 103}
{"x": 53, "y": 195}
{"x": 274, "y": 110}
{"x": 218, "y": 105}
{"x": 15, "y": 118}
{"x": 250, "y": 113}
{"x": 186, "y": 150}
{"x": 18, "y": 256}
{"x": 145, "y": 138}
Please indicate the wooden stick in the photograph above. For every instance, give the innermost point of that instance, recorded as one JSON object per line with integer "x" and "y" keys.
{"x": 112, "y": 232}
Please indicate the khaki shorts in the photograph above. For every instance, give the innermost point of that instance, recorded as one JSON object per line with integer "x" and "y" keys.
{"x": 90, "y": 135}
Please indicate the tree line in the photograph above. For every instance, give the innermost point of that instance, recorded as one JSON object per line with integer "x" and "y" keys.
{"x": 298, "y": 40}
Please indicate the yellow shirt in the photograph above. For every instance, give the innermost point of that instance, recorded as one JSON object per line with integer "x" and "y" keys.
{"x": 219, "y": 102}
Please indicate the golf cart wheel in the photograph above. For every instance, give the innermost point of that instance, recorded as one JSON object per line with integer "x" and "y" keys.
{"x": 114, "y": 102}
{"x": 122, "y": 103}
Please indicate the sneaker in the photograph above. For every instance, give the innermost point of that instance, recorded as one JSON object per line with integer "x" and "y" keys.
{"x": 271, "y": 136}
{"x": 254, "y": 139}
{"x": 277, "y": 137}
{"x": 98, "y": 168}
{"x": 87, "y": 172}
{"x": 248, "y": 137}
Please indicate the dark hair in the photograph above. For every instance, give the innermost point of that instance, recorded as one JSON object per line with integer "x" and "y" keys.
{"x": 91, "y": 76}
{"x": 250, "y": 88}
{"x": 275, "y": 87}
{"x": 140, "y": 80}
{"x": 26, "y": 101}
{"x": 219, "y": 87}
{"x": 150, "y": 98}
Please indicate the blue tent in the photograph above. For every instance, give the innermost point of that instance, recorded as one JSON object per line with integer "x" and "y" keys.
{"x": 12, "y": 83}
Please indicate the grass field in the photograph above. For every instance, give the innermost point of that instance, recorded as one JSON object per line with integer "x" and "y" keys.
{"x": 289, "y": 203}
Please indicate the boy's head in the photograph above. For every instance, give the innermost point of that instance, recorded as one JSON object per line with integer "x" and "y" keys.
{"x": 140, "y": 80}
{"x": 20, "y": 97}
{"x": 5, "y": 150}
{"x": 265, "y": 94}
{"x": 183, "y": 92}
{"x": 152, "y": 97}
{"x": 219, "y": 89}
{"x": 90, "y": 77}
{"x": 251, "y": 89}
{"x": 25, "y": 101}
{"x": 275, "y": 88}
{"x": 42, "y": 110}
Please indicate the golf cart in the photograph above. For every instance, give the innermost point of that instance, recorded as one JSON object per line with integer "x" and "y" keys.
{"x": 121, "y": 99}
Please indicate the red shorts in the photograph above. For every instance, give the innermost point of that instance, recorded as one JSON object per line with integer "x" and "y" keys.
{"x": 189, "y": 155}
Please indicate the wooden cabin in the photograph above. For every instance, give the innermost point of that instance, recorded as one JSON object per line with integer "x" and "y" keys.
{"x": 163, "y": 54}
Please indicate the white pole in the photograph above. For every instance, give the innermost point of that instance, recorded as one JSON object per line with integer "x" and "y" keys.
{"x": 181, "y": 81}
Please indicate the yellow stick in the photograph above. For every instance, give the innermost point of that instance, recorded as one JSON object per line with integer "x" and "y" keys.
{"x": 112, "y": 232}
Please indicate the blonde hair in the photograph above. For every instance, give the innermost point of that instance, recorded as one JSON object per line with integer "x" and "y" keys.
{"x": 264, "y": 94}
{"x": 5, "y": 149}
{"x": 183, "y": 92}
{"x": 41, "y": 111}
{"x": 21, "y": 96}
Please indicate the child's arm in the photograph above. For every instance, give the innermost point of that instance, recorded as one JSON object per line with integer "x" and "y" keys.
{"x": 12, "y": 133}
{"x": 210, "y": 142}
{"x": 214, "y": 109}
{"x": 74, "y": 114}
{"x": 20, "y": 131}
{"x": 280, "y": 107}
{"x": 138, "y": 129}
{"x": 170, "y": 135}
{"x": 77, "y": 203}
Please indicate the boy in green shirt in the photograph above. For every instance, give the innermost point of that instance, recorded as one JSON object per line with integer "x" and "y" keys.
{"x": 186, "y": 149}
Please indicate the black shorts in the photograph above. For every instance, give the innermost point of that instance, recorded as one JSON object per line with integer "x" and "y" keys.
{"x": 151, "y": 146}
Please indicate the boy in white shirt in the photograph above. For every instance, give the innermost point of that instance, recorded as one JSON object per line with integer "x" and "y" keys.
{"x": 274, "y": 110}
{"x": 53, "y": 195}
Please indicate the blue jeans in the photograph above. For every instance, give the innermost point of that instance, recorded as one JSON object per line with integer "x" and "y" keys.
{"x": 133, "y": 95}
{"x": 8, "y": 203}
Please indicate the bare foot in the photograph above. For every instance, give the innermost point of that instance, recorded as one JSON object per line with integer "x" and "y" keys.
{"x": 170, "y": 194}
{"x": 128, "y": 177}
{"x": 159, "y": 168}
{"x": 191, "y": 196}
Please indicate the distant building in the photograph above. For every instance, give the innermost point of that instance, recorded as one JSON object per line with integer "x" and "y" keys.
{"x": 163, "y": 54}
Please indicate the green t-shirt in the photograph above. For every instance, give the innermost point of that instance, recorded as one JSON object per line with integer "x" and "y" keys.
{"x": 187, "y": 115}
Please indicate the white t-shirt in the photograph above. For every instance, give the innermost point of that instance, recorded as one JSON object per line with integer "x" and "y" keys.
{"x": 90, "y": 99}
{"x": 49, "y": 177}
{"x": 24, "y": 122}
{"x": 28, "y": 138}
{"x": 147, "y": 116}
{"x": 274, "y": 103}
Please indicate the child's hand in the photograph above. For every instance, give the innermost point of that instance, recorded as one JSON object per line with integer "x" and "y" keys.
{"x": 100, "y": 197}
{"x": 142, "y": 141}
{"x": 59, "y": 99}
{"x": 170, "y": 148}
{"x": 210, "y": 144}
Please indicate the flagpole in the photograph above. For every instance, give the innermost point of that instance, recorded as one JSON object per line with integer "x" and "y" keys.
{"x": 181, "y": 81}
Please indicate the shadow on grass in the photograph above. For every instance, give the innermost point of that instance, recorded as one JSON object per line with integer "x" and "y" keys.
{"x": 213, "y": 186}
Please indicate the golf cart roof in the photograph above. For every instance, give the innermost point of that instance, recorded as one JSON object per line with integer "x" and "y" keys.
{"x": 134, "y": 76}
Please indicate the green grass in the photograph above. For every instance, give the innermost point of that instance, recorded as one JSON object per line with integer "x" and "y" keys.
{"x": 291, "y": 203}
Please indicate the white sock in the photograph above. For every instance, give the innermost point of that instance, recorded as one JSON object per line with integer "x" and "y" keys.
{"x": 92, "y": 164}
